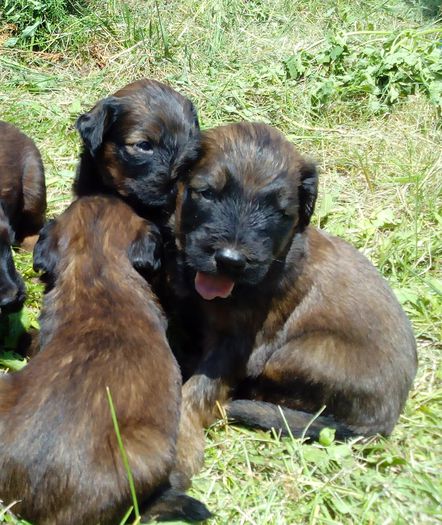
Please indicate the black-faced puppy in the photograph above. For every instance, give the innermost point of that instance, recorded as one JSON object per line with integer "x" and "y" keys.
{"x": 292, "y": 316}
{"x": 22, "y": 206}
{"x": 135, "y": 145}
{"x": 101, "y": 327}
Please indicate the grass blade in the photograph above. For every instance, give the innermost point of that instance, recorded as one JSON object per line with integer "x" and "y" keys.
{"x": 124, "y": 457}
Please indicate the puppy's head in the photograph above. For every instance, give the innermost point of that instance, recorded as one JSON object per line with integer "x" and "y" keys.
{"x": 12, "y": 288}
{"x": 240, "y": 207}
{"x": 95, "y": 232}
{"x": 139, "y": 141}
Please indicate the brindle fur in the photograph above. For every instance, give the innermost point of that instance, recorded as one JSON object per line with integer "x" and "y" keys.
{"x": 101, "y": 326}
{"x": 310, "y": 322}
{"x": 22, "y": 206}
{"x": 136, "y": 143}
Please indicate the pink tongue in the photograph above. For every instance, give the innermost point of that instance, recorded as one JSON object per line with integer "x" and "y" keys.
{"x": 211, "y": 286}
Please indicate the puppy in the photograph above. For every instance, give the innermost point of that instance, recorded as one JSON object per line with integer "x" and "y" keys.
{"x": 291, "y": 316}
{"x": 101, "y": 327}
{"x": 22, "y": 207}
{"x": 135, "y": 145}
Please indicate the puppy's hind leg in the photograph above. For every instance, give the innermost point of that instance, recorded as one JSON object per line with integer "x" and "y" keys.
{"x": 263, "y": 415}
{"x": 363, "y": 388}
{"x": 175, "y": 505}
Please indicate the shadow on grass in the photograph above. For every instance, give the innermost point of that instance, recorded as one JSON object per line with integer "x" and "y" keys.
{"x": 14, "y": 340}
{"x": 430, "y": 8}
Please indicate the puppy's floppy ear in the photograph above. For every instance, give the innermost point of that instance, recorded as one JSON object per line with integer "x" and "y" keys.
{"x": 93, "y": 125}
{"x": 194, "y": 115}
{"x": 145, "y": 251}
{"x": 46, "y": 249}
{"x": 192, "y": 150}
{"x": 308, "y": 191}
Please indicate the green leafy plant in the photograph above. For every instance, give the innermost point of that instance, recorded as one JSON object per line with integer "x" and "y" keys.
{"x": 383, "y": 68}
{"x": 12, "y": 329}
{"x": 32, "y": 18}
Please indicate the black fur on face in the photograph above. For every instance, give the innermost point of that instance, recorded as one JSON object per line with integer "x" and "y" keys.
{"x": 12, "y": 288}
{"x": 137, "y": 143}
{"x": 243, "y": 202}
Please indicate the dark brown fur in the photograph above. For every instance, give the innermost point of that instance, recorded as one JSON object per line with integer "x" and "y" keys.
{"x": 309, "y": 323}
{"x": 135, "y": 145}
{"x": 22, "y": 206}
{"x": 22, "y": 182}
{"x": 101, "y": 327}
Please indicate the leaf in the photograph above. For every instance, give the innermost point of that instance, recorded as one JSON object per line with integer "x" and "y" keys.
{"x": 35, "y": 324}
{"x": 18, "y": 323}
{"x": 294, "y": 67}
{"x": 393, "y": 93}
{"x": 406, "y": 295}
{"x": 340, "y": 454}
{"x": 326, "y": 206}
{"x": 12, "y": 361}
{"x": 411, "y": 59}
{"x": 29, "y": 31}
{"x": 327, "y": 436}
{"x": 390, "y": 460}
{"x": 384, "y": 218}
{"x": 434, "y": 284}
{"x": 11, "y": 42}
{"x": 75, "y": 107}
{"x": 316, "y": 455}
{"x": 435, "y": 92}
{"x": 336, "y": 52}
{"x": 230, "y": 108}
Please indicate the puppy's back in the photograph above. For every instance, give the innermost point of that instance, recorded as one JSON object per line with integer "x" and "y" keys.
{"x": 101, "y": 327}
{"x": 22, "y": 182}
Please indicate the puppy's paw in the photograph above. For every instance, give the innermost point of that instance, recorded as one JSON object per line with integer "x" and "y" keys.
{"x": 175, "y": 505}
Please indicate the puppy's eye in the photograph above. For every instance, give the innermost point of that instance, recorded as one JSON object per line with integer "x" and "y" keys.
{"x": 207, "y": 194}
{"x": 145, "y": 146}
{"x": 289, "y": 213}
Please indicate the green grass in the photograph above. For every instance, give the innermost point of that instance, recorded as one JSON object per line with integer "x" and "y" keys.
{"x": 381, "y": 178}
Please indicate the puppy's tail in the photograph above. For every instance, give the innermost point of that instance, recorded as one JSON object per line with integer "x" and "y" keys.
{"x": 260, "y": 414}
{"x": 175, "y": 505}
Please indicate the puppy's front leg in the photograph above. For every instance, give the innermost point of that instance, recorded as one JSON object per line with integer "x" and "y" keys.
{"x": 220, "y": 371}
{"x": 194, "y": 413}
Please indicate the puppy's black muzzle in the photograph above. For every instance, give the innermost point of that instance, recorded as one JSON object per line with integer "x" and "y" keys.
{"x": 230, "y": 261}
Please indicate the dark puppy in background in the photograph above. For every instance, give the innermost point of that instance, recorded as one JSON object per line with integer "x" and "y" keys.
{"x": 102, "y": 327}
{"x": 291, "y": 316}
{"x": 22, "y": 206}
{"x": 135, "y": 145}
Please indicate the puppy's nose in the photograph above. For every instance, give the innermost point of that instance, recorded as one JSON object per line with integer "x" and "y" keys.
{"x": 8, "y": 295}
{"x": 230, "y": 260}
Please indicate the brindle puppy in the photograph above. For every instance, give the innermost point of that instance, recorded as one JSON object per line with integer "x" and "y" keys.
{"x": 135, "y": 144}
{"x": 292, "y": 316}
{"x": 22, "y": 206}
{"x": 101, "y": 327}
